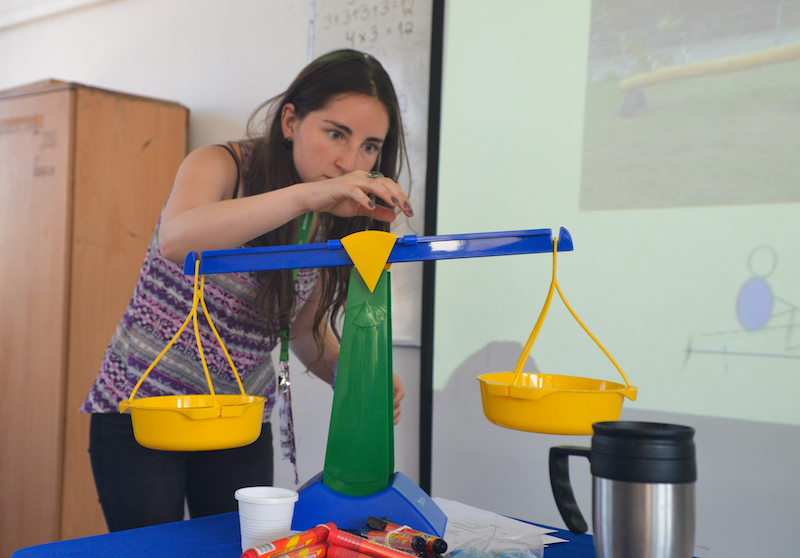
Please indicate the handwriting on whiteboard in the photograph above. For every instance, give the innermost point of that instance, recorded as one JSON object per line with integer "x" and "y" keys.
{"x": 360, "y": 24}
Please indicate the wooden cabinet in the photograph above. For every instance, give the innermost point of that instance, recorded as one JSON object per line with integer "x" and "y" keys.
{"x": 84, "y": 173}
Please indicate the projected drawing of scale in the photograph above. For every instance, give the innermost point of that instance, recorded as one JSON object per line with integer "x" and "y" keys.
{"x": 770, "y": 324}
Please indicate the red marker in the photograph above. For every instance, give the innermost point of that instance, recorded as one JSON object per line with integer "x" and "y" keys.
{"x": 363, "y": 546}
{"x": 313, "y": 536}
{"x": 433, "y": 544}
{"x": 406, "y": 542}
{"x": 318, "y": 550}
{"x": 341, "y": 552}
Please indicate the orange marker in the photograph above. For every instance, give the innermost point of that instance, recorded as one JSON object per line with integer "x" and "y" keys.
{"x": 341, "y": 552}
{"x": 433, "y": 544}
{"x": 406, "y": 542}
{"x": 313, "y": 536}
{"x": 318, "y": 550}
{"x": 363, "y": 546}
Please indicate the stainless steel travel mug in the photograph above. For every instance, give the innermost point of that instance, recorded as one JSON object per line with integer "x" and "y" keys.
{"x": 643, "y": 479}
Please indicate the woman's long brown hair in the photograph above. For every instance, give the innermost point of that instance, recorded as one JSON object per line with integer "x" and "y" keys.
{"x": 332, "y": 75}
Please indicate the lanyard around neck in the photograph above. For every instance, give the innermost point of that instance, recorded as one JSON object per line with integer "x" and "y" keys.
{"x": 302, "y": 238}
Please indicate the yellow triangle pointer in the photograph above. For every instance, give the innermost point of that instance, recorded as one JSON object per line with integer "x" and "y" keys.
{"x": 369, "y": 251}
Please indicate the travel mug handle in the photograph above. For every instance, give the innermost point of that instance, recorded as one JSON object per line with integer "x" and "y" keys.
{"x": 562, "y": 489}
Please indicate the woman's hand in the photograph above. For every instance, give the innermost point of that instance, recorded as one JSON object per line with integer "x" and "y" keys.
{"x": 348, "y": 196}
{"x": 399, "y": 394}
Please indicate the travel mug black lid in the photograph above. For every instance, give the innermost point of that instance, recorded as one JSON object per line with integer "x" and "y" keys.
{"x": 643, "y": 452}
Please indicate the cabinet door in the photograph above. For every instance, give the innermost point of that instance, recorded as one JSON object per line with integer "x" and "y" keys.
{"x": 127, "y": 152}
{"x": 35, "y": 197}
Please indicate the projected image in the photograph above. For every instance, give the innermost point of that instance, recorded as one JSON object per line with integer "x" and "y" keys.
{"x": 770, "y": 322}
{"x": 692, "y": 103}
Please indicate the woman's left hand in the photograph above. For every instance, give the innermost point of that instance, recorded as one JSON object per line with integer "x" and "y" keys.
{"x": 399, "y": 394}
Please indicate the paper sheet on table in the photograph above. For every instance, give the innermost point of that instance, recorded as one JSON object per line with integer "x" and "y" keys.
{"x": 466, "y": 523}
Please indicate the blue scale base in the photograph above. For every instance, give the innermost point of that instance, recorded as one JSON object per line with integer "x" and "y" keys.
{"x": 402, "y": 501}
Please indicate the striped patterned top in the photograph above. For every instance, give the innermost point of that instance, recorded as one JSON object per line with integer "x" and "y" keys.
{"x": 162, "y": 299}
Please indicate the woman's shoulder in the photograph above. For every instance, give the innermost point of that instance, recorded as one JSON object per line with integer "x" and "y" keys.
{"x": 226, "y": 157}
{"x": 240, "y": 149}
{"x": 209, "y": 169}
{"x": 210, "y": 154}
{"x": 225, "y": 150}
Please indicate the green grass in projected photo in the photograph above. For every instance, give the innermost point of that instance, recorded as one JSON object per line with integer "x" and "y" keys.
{"x": 692, "y": 104}
{"x": 711, "y": 140}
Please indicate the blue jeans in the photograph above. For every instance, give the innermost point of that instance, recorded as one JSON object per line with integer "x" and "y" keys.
{"x": 138, "y": 486}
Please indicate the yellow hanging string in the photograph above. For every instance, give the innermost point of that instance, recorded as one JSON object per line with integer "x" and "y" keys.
{"x": 221, "y": 344}
{"x": 174, "y": 337}
{"x": 529, "y": 345}
{"x": 532, "y": 338}
{"x": 614, "y": 362}
{"x": 197, "y": 296}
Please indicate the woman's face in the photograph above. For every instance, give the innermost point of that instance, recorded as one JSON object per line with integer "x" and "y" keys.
{"x": 345, "y": 135}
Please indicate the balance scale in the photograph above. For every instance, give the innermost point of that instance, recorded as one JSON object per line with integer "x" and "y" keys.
{"x": 358, "y": 479}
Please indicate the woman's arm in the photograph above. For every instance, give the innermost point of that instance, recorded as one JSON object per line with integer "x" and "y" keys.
{"x": 304, "y": 345}
{"x": 200, "y": 214}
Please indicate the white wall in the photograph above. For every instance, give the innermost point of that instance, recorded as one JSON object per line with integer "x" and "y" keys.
{"x": 221, "y": 60}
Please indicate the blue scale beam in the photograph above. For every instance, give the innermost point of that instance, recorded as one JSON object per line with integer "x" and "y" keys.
{"x": 409, "y": 248}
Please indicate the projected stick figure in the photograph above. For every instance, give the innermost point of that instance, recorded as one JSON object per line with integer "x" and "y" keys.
{"x": 755, "y": 306}
{"x": 758, "y": 311}
{"x": 755, "y": 302}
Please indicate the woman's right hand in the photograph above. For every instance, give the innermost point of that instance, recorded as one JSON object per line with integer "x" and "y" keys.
{"x": 348, "y": 196}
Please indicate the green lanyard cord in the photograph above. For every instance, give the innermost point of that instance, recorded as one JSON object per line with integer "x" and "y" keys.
{"x": 302, "y": 238}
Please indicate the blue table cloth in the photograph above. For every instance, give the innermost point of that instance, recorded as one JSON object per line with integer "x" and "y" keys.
{"x": 216, "y": 536}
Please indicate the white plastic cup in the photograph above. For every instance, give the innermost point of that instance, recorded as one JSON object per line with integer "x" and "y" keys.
{"x": 265, "y": 514}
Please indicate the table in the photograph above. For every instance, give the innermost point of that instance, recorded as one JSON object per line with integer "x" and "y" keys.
{"x": 216, "y": 536}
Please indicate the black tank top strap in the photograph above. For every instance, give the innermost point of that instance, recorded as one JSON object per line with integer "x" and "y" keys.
{"x": 238, "y": 167}
{"x": 244, "y": 149}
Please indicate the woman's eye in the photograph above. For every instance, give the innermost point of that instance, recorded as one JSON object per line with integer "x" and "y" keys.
{"x": 335, "y": 134}
{"x": 371, "y": 148}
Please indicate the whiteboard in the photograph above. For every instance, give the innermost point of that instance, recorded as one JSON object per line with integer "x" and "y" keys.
{"x": 398, "y": 34}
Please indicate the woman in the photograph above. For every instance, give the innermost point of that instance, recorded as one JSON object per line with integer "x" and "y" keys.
{"x": 308, "y": 172}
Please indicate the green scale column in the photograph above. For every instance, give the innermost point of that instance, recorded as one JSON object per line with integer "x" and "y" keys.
{"x": 360, "y": 456}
